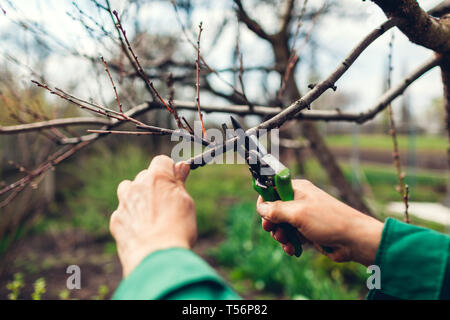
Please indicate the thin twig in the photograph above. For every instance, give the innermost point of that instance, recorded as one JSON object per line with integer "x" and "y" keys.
{"x": 138, "y": 64}
{"x": 295, "y": 108}
{"x": 53, "y": 124}
{"x": 314, "y": 115}
{"x": 132, "y": 133}
{"x": 179, "y": 133}
{"x": 241, "y": 70}
{"x": 202, "y": 59}
{"x": 294, "y": 56}
{"x": 401, "y": 188}
{"x": 197, "y": 64}
{"x": 113, "y": 85}
{"x": 100, "y": 110}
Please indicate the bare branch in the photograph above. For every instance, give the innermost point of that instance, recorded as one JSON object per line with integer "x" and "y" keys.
{"x": 380, "y": 105}
{"x": 401, "y": 187}
{"x": 324, "y": 115}
{"x": 138, "y": 64}
{"x": 81, "y": 121}
{"x": 441, "y": 9}
{"x": 53, "y": 160}
{"x": 417, "y": 25}
{"x": 197, "y": 64}
{"x": 250, "y": 23}
{"x": 131, "y": 133}
{"x": 303, "y": 103}
{"x": 97, "y": 109}
{"x": 113, "y": 85}
{"x": 288, "y": 15}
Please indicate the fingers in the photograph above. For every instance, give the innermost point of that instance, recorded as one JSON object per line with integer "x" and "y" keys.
{"x": 162, "y": 166}
{"x": 279, "y": 235}
{"x": 122, "y": 190}
{"x": 267, "y": 225}
{"x": 142, "y": 176}
{"x": 280, "y": 212}
{"x": 288, "y": 248}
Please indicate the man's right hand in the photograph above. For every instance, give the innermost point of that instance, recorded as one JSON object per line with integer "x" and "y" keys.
{"x": 323, "y": 221}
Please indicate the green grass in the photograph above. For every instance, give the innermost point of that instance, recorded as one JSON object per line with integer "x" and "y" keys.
{"x": 384, "y": 142}
{"x": 93, "y": 203}
{"x": 249, "y": 252}
{"x": 91, "y": 186}
{"x": 382, "y": 179}
{"x": 215, "y": 188}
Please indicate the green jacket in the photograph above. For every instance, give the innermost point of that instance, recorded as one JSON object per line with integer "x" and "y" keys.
{"x": 414, "y": 264}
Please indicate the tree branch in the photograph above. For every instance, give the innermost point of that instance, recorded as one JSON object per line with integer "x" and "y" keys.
{"x": 302, "y": 103}
{"x": 287, "y": 17}
{"x": 81, "y": 121}
{"x": 324, "y": 115}
{"x": 441, "y": 9}
{"x": 420, "y": 27}
{"x": 250, "y": 23}
{"x": 380, "y": 105}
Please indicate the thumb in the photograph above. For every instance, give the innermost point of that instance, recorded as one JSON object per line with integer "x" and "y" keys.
{"x": 182, "y": 171}
{"x": 278, "y": 211}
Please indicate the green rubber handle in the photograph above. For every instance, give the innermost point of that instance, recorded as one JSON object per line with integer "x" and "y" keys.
{"x": 284, "y": 192}
{"x": 283, "y": 183}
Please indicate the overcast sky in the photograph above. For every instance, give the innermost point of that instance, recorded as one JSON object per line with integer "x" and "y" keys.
{"x": 335, "y": 35}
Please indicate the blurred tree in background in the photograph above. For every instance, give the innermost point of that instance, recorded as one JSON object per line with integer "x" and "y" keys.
{"x": 257, "y": 53}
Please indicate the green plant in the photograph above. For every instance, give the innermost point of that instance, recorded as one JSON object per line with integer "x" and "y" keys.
{"x": 215, "y": 189}
{"x": 39, "y": 289}
{"x": 15, "y": 286}
{"x": 423, "y": 143}
{"x": 249, "y": 252}
{"x": 103, "y": 291}
{"x": 64, "y": 294}
{"x": 93, "y": 203}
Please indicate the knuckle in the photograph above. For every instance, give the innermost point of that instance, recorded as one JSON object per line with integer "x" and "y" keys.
{"x": 135, "y": 187}
{"x": 301, "y": 209}
{"x": 123, "y": 187}
{"x": 272, "y": 210}
{"x": 157, "y": 177}
{"x": 305, "y": 183}
{"x": 141, "y": 174}
{"x": 188, "y": 201}
{"x": 162, "y": 158}
{"x": 114, "y": 221}
{"x": 161, "y": 161}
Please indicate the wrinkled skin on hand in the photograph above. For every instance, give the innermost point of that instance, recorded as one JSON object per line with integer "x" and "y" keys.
{"x": 155, "y": 212}
{"x": 323, "y": 221}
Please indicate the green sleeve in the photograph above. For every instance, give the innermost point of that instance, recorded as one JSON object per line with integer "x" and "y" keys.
{"x": 174, "y": 274}
{"x": 414, "y": 263}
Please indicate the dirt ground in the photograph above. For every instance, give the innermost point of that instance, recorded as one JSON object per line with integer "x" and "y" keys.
{"x": 48, "y": 256}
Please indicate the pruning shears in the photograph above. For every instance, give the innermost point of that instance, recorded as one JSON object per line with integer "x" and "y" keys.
{"x": 271, "y": 179}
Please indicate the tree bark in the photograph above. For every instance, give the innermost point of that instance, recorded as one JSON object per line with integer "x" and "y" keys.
{"x": 420, "y": 27}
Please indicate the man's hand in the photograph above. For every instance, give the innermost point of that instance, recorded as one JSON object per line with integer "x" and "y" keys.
{"x": 323, "y": 221}
{"x": 155, "y": 212}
